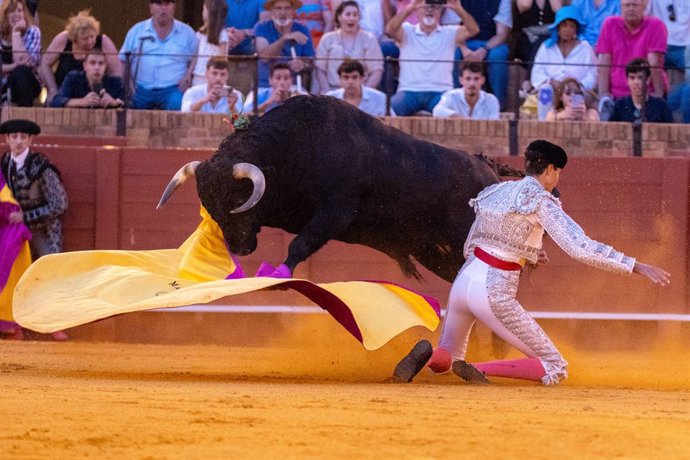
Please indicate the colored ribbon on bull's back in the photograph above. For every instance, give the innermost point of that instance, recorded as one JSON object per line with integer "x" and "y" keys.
{"x": 60, "y": 291}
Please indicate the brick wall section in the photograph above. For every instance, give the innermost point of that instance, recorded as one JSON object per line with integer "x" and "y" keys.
{"x": 172, "y": 129}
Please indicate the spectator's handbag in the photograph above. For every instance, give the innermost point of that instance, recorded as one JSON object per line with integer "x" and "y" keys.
{"x": 529, "y": 106}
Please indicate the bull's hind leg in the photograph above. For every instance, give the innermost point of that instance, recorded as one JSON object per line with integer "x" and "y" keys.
{"x": 443, "y": 260}
{"x": 328, "y": 223}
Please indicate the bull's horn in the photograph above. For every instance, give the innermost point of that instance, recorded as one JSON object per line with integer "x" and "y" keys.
{"x": 249, "y": 171}
{"x": 178, "y": 179}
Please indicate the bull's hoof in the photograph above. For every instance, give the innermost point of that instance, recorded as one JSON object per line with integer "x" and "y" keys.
{"x": 267, "y": 270}
{"x": 414, "y": 362}
{"x": 236, "y": 275}
{"x": 239, "y": 271}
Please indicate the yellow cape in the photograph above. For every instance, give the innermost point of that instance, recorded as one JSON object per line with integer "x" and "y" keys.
{"x": 60, "y": 291}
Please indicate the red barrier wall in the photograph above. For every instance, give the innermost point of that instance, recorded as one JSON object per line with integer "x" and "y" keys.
{"x": 639, "y": 205}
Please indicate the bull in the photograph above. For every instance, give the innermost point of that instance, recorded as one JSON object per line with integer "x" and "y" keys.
{"x": 319, "y": 168}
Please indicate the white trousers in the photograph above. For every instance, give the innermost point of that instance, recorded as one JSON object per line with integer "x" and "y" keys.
{"x": 488, "y": 294}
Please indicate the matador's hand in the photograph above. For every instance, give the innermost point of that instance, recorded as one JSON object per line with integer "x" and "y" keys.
{"x": 16, "y": 217}
{"x": 655, "y": 274}
{"x": 542, "y": 257}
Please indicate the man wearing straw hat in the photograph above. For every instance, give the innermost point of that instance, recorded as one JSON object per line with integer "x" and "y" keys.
{"x": 281, "y": 39}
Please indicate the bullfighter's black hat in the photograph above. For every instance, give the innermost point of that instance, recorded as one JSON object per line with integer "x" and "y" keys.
{"x": 20, "y": 126}
{"x": 553, "y": 153}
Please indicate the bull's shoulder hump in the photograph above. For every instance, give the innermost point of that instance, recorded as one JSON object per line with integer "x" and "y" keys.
{"x": 487, "y": 192}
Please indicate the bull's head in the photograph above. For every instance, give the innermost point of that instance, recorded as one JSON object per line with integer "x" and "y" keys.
{"x": 225, "y": 201}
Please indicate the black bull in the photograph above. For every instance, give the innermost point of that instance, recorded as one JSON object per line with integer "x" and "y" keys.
{"x": 333, "y": 172}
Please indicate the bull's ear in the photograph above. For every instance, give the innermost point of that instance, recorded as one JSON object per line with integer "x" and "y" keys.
{"x": 180, "y": 177}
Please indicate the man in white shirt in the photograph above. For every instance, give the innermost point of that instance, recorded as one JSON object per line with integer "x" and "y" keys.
{"x": 214, "y": 96}
{"x": 426, "y": 54}
{"x": 469, "y": 101}
{"x": 675, "y": 14}
{"x": 369, "y": 100}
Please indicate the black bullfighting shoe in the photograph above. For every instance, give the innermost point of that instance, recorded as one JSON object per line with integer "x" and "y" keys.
{"x": 469, "y": 373}
{"x": 414, "y": 362}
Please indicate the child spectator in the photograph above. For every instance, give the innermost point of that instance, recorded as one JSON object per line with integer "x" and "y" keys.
{"x": 212, "y": 37}
{"x": 70, "y": 47}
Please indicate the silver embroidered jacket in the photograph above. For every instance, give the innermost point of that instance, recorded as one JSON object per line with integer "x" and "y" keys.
{"x": 512, "y": 217}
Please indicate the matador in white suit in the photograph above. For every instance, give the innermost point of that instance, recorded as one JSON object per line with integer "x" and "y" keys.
{"x": 511, "y": 218}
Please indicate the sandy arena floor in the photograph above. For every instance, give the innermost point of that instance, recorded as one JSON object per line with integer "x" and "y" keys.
{"x": 133, "y": 401}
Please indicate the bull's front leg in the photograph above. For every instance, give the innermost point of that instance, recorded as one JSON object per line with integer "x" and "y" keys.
{"x": 326, "y": 224}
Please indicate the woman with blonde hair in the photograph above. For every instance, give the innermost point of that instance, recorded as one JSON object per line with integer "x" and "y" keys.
{"x": 70, "y": 47}
{"x": 21, "y": 53}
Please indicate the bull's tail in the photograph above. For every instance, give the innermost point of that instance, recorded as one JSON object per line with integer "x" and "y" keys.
{"x": 500, "y": 169}
{"x": 409, "y": 269}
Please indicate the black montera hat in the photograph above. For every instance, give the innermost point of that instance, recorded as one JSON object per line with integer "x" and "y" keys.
{"x": 20, "y": 126}
{"x": 553, "y": 153}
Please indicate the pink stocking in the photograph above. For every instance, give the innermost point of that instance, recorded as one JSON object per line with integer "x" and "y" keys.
{"x": 525, "y": 369}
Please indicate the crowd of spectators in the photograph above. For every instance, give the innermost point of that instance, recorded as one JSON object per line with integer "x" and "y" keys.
{"x": 583, "y": 59}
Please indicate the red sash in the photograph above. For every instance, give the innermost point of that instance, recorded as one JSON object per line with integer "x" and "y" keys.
{"x": 495, "y": 261}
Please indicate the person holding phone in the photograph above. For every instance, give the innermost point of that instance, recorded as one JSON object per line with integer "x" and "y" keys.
{"x": 91, "y": 87}
{"x": 571, "y": 105}
{"x": 214, "y": 96}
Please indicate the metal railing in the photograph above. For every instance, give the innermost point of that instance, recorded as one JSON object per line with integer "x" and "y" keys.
{"x": 389, "y": 74}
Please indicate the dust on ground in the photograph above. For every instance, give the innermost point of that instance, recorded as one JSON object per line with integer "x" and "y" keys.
{"x": 115, "y": 400}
